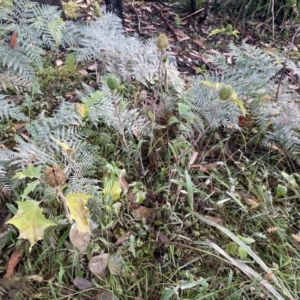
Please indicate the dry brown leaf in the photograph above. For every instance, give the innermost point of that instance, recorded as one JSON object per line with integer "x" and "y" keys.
{"x": 13, "y": 261}
{"x": 98, "y": 264}
{"x": 199, "y": 43}
{"x": 193, "y": 158}
{"x": 122, "y": 239}
{"x": 13, "y": 40}
{"x": 58, "y": 63}
{"x": 296, "y": 238}
{"x": 268, "y": 276}
{"x": 272, "y": 229}
{"x": 144, "y": 212}
{"x": 252, "y": 202}
{"x": 80, "y": 240}
{"x": 82, "y": 283}
{"x": 215, "y": 219}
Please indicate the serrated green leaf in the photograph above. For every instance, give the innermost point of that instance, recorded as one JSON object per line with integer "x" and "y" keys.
{"x": 30, "y": 221}
{"x": 29, "y": 172}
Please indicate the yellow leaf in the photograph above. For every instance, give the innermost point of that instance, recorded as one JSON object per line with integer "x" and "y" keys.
{"x": 239, "y": 103}
{"x": 82, "y": 109}
{"x": 30, "y": 221}
{"x": 78, "y": 210}
{"x": 216, "y": 31}
{"x": 64, "y": 146}
{"x": 112, "y": 188}
{"x": 209, "y": 84}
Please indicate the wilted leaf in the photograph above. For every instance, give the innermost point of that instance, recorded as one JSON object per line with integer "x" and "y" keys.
{"x": 106, "y": 295}
{"x": 116, "y": 264}
{"x": 82, "y": 284}
{"x": 80, "y": 240}
{"x": 30, "y": 221}
{"x": 13, "y": 261}
{"x": 78, "y": 210}
{"x": 144, "y": 212}
{"x": 13, "y": 40}
{"x": 98, "y": 264}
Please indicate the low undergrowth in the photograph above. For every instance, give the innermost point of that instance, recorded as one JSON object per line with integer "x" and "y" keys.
{"x": 149, "y": 185}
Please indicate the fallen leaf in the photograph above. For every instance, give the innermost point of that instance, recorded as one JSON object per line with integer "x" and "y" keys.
{"x": 13, "y": 40}
{"x": 59, "y": 62}
{"x": 12, "y": 263}
{"x": 82, "y": 283}
{"x": 215, "y": 219}
{"x": 80, "y": 240}
{"x": 79, "y": 212}
{"x": 144, "y": 212}
{"x": 122, "y": 239}
{"x": 98, "y": 264}
{"x": 30, "y": 221}
{"x": 193, "y": 158}
{"x": 199, "y": 43}
{"x": 116, "y": 264}
{"x": 106, "y": 295}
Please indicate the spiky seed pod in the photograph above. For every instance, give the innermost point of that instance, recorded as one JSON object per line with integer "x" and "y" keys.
{"x": 162, "y": 42}
{"x": 112, "y": 82}
{"x": 225, "y": 92}
{"x": 228, "y": 28}
{"x": 54, "y": 176}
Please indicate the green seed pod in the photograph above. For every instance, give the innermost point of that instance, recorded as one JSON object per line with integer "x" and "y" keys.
{"x": 225, "y": 92}
{"x": 112, "y": 82}
{"x": 162, "y": 42}
{"x": 228, "y": 28}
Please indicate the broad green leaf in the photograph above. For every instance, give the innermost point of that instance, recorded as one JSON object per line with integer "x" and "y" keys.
{"x": 232, "y": 248}
{"x": 30, "y": 188}
{"x": 281, "y": 190}
{"x": 78, "y": 210}
{"x": 242, "y": 253}
{"x": 247, "y": 240}
{"x": 173, "y": 120}
{"x": 30, "y": 221}
{"x": 183, "y": 109}
{"x": 112, "y": 187}
{"x": 29, "y": 172}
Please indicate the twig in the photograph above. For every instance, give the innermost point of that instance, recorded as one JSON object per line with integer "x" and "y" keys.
{"x": 193, "y": 14}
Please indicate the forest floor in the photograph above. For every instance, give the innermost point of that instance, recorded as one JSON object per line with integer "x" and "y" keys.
{"x": 179, "y": 256}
